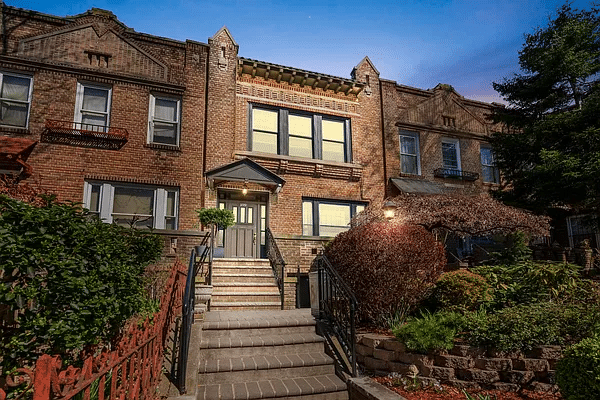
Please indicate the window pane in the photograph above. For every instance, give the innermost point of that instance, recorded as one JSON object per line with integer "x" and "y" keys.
{"x": 333, "y": 219}
{"x": 165, "y": 133}
{"x": 333, "y": 151}
{"x": 300, "y": 126}
{"x": 170, "y": 223}
{"x": 264, "y": 120}
{"x": 490, "y": 174}
{"x": 13, "y": 114}
{"x": 170, "y": 204}
{"x": 133, "y": 201}
{"x": 265, "y": 142}
{"x": 360, "y": 208}
{"x": 333, "y": 130}
{"x": 165, "y": 110}
{"x": 449, "y": 154}
{"x": 300, "y": 147}
{"x": 487, "y": 157}
{"x": 95, "y": 99}
{"x": 92, "y": 119}
{"x": 94, "y": 205}
{"x": 409, "y": 164}
{"x": 307, "y": 218}
{"x": 408, "y": 145}
{"x": 15, "y": 88}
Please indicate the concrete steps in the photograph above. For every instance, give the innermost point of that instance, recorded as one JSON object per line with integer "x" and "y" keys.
{"x": 244, "y": 284}
{"x": 270, "y": 354}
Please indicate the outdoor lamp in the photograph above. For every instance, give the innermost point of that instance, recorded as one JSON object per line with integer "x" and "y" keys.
{"x": 389, "y": 209}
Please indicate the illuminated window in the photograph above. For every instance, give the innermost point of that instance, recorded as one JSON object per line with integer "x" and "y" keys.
{"x": 327, "y": 217}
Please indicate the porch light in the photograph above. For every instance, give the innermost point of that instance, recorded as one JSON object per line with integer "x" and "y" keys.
{"x": 389, "y": 209}
{"x": 245, "y": 189}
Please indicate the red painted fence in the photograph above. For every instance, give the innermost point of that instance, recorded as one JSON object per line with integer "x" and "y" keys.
{"x": 130, "y": 370}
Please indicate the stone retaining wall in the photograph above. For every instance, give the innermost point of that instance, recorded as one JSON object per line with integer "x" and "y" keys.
{"x": 464, "y": 366}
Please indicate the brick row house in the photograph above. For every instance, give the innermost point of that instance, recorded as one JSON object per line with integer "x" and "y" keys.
{"x": 146, "y": 130}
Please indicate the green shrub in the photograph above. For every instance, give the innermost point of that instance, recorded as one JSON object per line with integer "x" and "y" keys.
{"x": 430, "y": 331}
{"x": 216, "y": 216}
{"x": 578, "y": 372}
{"x": 528, "y": 325}
{"x": 388, "y": 266}
{"x": 460, "y": 291}
{"x": 516, "y": 250}
{"x": 72, "y": 279}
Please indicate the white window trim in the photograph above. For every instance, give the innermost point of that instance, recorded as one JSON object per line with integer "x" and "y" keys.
{"x": 493, "y": 166}
{"x": 570, "y": 230}
{"x": 29, "y": 96}
{"x": 457, "y": 143}
{"x": 151, "y": 111}
{"x": 107, "y": 195}
{"x": 414, "y": 135}
{"x": 79, "y": 100}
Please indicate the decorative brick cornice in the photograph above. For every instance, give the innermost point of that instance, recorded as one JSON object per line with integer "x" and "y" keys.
{"x": 139, "y": 181}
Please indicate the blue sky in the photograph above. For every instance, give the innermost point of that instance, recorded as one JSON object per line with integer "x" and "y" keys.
{"x": 465, "y": 43}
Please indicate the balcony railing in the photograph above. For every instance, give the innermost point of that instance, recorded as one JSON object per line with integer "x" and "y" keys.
{"x": 455, "y": 174}
{"x": 84, "y": 135}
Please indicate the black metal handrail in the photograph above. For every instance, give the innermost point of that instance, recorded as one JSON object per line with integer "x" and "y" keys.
{"x": 196, "y": 266}
{"x": 456, "y": 174}
{"x": 277, "y": 262}
{"x": 337, "y": 308}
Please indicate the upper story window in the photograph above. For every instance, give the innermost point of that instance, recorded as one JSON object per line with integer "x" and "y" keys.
{"x": 489, "y": 171}
{"x": 92, "y": 107}
{"x": 410, "y": 159}
{"x": 288, "y": 132}
{"x": 164, "y": 120}
{"x": 451, "y": 153}
{"x": 327, "y": 217}
{"x": 133, "y": 205}
{"x": 15, "y": 99}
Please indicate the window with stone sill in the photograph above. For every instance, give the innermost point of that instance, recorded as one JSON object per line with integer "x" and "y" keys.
{"x": 92, "y": 107}
{"x": 299, "y": 134}
{"x": 489, "y": 170}
{"x": 141, "y": 206}
{"x": 15, "y": 99}
{"x": 327, "y": 218}
{"x": 164, "y": 120}
{"x": 451, "y": 154}
{"x": 410, "y": 158}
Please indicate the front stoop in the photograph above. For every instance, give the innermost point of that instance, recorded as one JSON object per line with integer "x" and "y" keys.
{"x": 265, "y": 355}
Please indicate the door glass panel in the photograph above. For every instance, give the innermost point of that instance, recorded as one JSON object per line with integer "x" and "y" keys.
{"x": 242, "y": 215}
{"x": 263, "y": 223}
{"x": 234, "y": 209}
{"x": 250, "y": 215}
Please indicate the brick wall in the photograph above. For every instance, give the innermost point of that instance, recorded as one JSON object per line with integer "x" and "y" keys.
{"x": 464, "y": 366}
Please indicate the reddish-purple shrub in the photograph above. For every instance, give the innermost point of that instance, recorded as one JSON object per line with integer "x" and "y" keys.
{"x": 389, "y": 266}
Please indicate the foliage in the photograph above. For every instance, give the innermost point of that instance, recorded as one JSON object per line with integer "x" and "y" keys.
{"x": 578, "y": 372}
{"x": 29, "y": 193}
{"x": 430, "y": 331}
{"x": 479, "y": 396}
{"x": 525, "y": 326}
{"x": 73, "y": 279}
{"x": 529, "y": 282}
{"x": 550, "y": 153}
{"x": 515, "y": 250}
{"x": 388, "y": 266}
{"x": 460, "y": 290}
{"x": 457, "y": 213}
{"x": 216, "y": 216}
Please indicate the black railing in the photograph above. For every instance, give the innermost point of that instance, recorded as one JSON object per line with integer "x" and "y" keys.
{"x": 198, "y": 258}
{"x": 455, "y": 174}
{"x": 277, "y": 263}
{"x": 337, "y": 309}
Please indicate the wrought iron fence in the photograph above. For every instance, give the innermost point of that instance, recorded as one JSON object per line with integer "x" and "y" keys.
{"x": 277, "y": 263}
{"x": 85, "y": 135}
{"x": 456, "y": 174}
{"x": 131, "y": 369}
{"x": 337, "y": 308}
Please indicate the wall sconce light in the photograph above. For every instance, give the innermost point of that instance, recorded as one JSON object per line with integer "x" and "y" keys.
{"x": 389, "y": 209}
{"x": 245, "y": 189}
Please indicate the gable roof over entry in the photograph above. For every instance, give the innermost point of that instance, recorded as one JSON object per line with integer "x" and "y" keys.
{"x": 418, "y": 186}
{"x": 244, "y": 170}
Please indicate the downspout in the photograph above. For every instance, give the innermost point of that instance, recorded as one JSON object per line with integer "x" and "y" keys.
{"x": 203, "y": 183}
{"x": 385, "y": 179}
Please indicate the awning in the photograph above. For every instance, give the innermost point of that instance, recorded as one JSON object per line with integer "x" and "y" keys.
{"x": 244, "y": 170}
{"x": 407, "y": 185}
{"x": 13, "y": 154}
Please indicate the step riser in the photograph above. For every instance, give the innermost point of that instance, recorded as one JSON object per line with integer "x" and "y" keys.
{"x": 242, "y": 289}
{"x": 241, "y": 298}
{"x": 211, "y": 392}
{"x": 242, "y": 308}
{"x": 238, "y": 333}
{"x": 265, "y": 374}
{"x": 243, "y": 278}
{"x": 235, "y": 352}
{"x": 243, "y": 270}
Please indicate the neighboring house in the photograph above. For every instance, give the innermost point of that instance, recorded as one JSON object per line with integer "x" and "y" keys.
{"x": 145, "y": 130}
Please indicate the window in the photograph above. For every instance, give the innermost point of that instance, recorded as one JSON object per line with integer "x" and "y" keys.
{"x": 163, "y": 120}
{"x": 136, "y": 205}
{"x": 582, "y": 227}
{"x": 92, "y": 107}
{"x": 451, "y": 153}
{"x": 327, "y": 218}
{"x": 489, "y": 171}
{"x": 288, "y": 132}
{"x": 410, "y": 162}
{"x": 15, "y": 98}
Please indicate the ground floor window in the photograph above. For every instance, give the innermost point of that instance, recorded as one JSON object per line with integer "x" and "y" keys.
{"x": 133, "y": 205}
{"x": 328, "y": 217}
{"x": 582, "y": 227}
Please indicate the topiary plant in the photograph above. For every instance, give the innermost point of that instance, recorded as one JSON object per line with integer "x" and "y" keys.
{"x": 217, "y": 217}
{"x": 388, "y": 266}
{"x": 578, "y": 372}
{"x": 461, "y": 290}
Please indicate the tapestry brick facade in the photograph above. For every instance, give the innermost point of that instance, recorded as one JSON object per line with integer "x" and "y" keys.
{"x": 177, "y": 126}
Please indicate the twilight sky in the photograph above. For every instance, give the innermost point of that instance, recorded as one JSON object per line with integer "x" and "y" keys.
{"x": 466, "y": 43}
